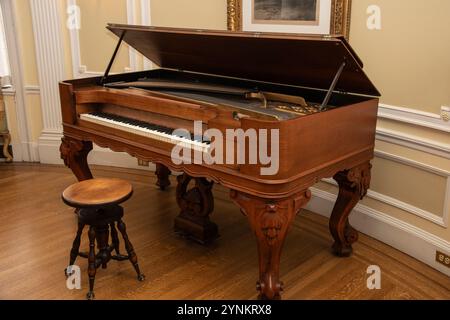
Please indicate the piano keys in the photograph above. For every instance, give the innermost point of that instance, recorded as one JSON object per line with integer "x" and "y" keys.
{"x": 144, "y": 129}
{"x": 311, "y": 89}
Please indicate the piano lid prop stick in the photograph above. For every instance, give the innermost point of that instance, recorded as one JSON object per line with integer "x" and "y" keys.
{"x": 333, "y": 86}
{"x": 108, "y": 69}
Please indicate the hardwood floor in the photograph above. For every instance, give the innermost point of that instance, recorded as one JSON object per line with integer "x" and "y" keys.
{"x": 37, "y": 230}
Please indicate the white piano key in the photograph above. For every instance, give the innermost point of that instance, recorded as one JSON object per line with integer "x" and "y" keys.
{"x": 153, "y": 134}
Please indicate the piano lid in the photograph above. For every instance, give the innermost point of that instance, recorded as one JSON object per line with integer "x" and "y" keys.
{"x": 299, "y": 60}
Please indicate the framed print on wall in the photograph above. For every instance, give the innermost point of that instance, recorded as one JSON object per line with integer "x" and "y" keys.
{"x": 290, "y": 16}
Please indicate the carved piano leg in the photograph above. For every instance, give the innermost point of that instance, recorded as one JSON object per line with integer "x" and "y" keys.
{"x": 270, "y": 220}
{"x": 163, "y": 173}
{"x": 353, "y": 186}
{"x": 74, "y": 153}
{"x": 196, "y": 204}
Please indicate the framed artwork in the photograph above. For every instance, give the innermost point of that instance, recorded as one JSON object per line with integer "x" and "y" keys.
{"x": 290, "y": 16}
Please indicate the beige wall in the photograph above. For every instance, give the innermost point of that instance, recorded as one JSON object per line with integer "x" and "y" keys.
{"x": 96, "y": 42}
{"x": 26, "y": 41}
{"x": 205, "y": 14}
{"x": 407, "y": 60}
{"x": 409, "y": 184}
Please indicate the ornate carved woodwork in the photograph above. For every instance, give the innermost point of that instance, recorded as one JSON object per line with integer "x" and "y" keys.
{"x": 270, "y": 221}
{"x": 130, "y": 249}
{"x": 74, "y": 252}
{"x": 92, "y": 268}
{"x": 234, "y": 13}
{"x": 196, "y": 204}
{"x": 353, "y": 186}
{"x": 74, "y": 153}
{"x": 6, "y": 142}
{"x": 102, "y": 225}
{"x": 163, "y": 173}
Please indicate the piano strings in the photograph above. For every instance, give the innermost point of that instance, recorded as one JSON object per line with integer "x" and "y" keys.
{"x": 283, "y": 103}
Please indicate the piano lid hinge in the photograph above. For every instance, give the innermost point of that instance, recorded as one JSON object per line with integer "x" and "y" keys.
{"x": 333, "y": 86}
{"x": 111, "y": 62}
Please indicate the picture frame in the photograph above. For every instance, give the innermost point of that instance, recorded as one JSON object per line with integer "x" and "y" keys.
{"x": 333, "y": 17}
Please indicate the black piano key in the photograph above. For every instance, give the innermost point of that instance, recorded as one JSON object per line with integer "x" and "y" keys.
{"x": 142, "y": 124}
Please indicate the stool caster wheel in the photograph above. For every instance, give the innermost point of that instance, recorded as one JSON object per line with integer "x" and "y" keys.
{"x": 141, "y": 277}
{"x": 90, "y": 295}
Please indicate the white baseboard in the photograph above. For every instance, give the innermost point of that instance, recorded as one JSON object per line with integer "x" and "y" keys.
{"x": 17, "y": 151}
{"x": 106, "y": 157}
{"x": 405, "y": 237}
{"x": 34, "y": 152}
{"x": 49, "y": 148}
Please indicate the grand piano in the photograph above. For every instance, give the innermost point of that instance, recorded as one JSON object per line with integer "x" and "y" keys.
{"x": 309, "y": 92}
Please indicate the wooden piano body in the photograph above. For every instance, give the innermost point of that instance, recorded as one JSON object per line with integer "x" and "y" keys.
{"x": 337, "y": 141}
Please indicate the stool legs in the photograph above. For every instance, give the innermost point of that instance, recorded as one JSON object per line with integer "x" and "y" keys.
{"x": 99, "y": 234}
{"x": 130, "y": 250}
{"x": 115, "y": 238}
{"x": 76, "y": 244}
{"x": 92, "y": 268}
{"x": 102, "y": 236}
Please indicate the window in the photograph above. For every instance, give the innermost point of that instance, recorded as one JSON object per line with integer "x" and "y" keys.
{"x": 5, "y": 72}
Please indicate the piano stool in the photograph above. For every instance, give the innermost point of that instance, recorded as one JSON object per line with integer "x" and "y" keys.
{"x": 97, "y": 203}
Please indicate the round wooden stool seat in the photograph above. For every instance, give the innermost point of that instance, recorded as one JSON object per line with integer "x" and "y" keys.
{"x": 97, "y": 193}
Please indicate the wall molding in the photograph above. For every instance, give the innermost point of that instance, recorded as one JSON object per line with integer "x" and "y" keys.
{"x": 412, "y": 116}
{"x": 9, "y": 92}
{"x": 33, "y": 90}
{"x": 440, "y": 220}
{"x": 414, "y": 142}
{"x": 403, "y": 236}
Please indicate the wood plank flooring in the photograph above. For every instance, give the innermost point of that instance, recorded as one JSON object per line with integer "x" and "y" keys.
{"x": 37, "y": 230}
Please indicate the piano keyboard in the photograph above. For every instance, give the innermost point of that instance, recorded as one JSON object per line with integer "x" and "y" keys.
{"x": 145, "y": 129}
